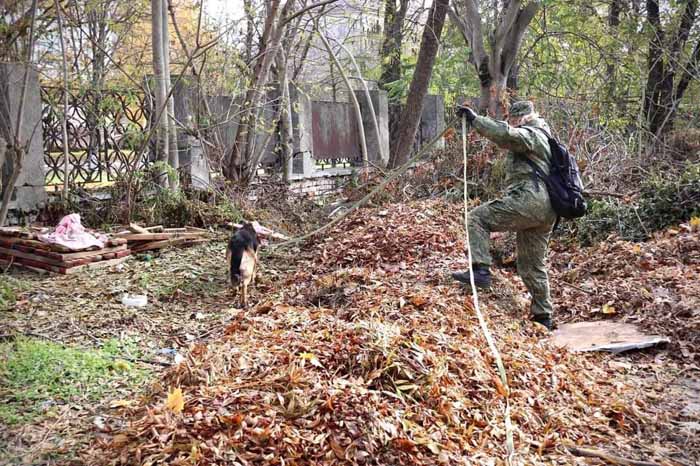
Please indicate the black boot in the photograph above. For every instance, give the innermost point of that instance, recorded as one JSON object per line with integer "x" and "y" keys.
{"x": 544, "y": 320}
{"x": 482, "y": 277}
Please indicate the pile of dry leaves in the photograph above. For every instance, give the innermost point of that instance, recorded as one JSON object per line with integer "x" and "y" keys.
{"x": 366, "y": 353}
{"x": 655, "y": 284}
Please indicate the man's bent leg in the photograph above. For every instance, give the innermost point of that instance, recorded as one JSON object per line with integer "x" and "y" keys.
{"x": 532, "y": 252}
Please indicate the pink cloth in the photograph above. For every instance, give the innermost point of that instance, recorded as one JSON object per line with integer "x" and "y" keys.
{"x": 72, "y": 235}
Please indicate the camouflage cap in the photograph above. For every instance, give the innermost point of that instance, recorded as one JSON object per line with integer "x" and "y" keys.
{"x": 522, "y": 108}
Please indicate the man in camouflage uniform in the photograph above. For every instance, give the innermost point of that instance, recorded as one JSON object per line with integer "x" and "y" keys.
{"x": 525, "y": 208}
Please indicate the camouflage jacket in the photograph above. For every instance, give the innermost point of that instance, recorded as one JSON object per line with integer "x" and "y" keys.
{"x": 520, "y": 142}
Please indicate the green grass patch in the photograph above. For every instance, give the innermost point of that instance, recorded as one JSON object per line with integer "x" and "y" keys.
{"x": 37, "y": 375}
{"x": 10, "y": 288}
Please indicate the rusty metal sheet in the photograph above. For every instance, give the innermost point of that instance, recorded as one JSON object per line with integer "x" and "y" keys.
{"x": 335, "y": 132}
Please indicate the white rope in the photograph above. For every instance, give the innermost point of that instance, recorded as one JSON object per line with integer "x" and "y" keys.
{"x": 510, "y": 449}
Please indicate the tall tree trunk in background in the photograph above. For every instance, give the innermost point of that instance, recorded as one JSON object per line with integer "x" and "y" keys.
{"x": 169, "y": 116}
{"x": 614, "y": 24}
{"x": 410, "y": 116}
{"x": 664, "y": 62}
{"x": 249, "y": 29}
{"x": 160, "y": 91}
{"x": 494, "y": 65}
{"x": 237, "y": 165}
{"x": 390, "y": 58}
{"x": 98, "y": 33}
{"x": 64, "y": 117}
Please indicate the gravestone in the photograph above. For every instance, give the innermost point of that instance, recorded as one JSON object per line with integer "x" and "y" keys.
{"x": 377, "y": 145}
{"x": 29, "y": 195}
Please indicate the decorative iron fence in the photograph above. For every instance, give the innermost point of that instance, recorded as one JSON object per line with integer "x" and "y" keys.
{"x": 105, "y": 130}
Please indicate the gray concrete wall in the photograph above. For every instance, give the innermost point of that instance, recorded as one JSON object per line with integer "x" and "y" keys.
{"x": 30, "y": 194}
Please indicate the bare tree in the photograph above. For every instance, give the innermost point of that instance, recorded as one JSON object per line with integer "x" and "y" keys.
{"x": 410, "y": 116}
{"x": 494, "y": 64}
{"x": 237, "y": 168}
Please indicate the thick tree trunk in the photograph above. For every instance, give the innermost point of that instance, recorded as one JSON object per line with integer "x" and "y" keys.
{"x": 660, "y": 100}
{"x": 391, "y": 60}
{"x": 494, "y": 66}
{"x": 410, "y": 117}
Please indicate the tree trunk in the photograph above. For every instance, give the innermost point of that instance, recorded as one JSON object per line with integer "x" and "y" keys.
{"x": 160, "y": 90}
{"x": 494, "y": 66}
{"x": 410, "y": 117}
{"x": 285, "y": 124}
{"x": 660, "y": 101}
{"x": 390, "y": 58}
{"x": 245, "y": 135}
{"x": 173, "y": 153}
{"x": 64, "y": 118}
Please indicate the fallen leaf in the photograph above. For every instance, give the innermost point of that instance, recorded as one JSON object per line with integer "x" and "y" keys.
{"x": 695, "y": 223}
{"x": 311, "y": 358}
{"x": 121, "y": 403}
{"x": 175, "y": 401}
{"x": 608, "y": 309}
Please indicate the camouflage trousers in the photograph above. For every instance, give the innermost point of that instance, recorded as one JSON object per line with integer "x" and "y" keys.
{"x": 526, "y": 210}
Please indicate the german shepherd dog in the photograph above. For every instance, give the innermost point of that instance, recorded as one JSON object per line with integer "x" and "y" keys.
{"x": 242, "y": 259}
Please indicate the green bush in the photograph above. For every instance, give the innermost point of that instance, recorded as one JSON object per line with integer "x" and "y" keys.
{"x": 662, "y": 201}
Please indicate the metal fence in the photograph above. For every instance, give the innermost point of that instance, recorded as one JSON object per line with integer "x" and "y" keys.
{"x": 105, "y": 131}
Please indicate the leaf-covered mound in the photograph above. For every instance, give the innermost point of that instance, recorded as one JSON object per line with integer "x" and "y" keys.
{"x": 366, "y": 353}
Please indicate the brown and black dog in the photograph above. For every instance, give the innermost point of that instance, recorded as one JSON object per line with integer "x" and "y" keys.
{"x": 242, "y": 259}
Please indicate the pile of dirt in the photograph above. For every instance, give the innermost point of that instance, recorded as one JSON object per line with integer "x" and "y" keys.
{"x": 366, "y": 353}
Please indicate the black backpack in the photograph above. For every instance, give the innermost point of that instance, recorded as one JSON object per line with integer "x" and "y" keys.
{"x": 564, "y": 180}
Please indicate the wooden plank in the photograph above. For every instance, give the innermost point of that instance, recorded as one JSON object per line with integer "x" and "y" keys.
{"x": 65, "y": 270}
{"x": 157, "y": 245}
{"x": 9, "y": 241}
{"x": 58, "y": 256}
{"x": 160, "y": 236}
{"x": 97, "y": 252}
{"x": 137, "y": 228}
{"x": 32, "y": 257}
{"x": 95, "y": 265}
{"x": 155, "y": 229}
{"x": 116, "y": 241}
{"x": 10, "y": 262}
{"x": 32, "y": 263}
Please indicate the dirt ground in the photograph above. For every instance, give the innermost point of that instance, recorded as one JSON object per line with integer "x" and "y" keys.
{"x": 358, "y": 349}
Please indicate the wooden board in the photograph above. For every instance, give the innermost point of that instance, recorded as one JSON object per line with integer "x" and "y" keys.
{"x": 59, "y": 256}
{"x": 603, "y": 335}
{"x": 62, "y": 270}
{"x": 96, "y": 265}
{"x": 11, "y": 262}
{"x": 159, "y": 236}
